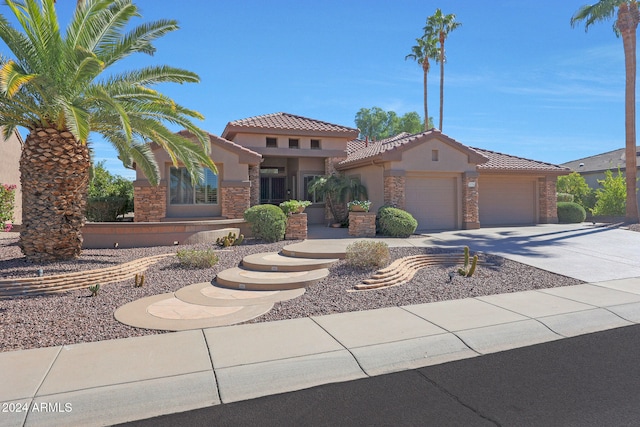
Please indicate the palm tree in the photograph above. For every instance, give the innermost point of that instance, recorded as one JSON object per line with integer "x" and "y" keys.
{"x": 424, "y": 50}
{"x": 56, "y": 88}
{"x": 337, "y": 189}
{"x": 625, "y": 25}
{"x": 439, "y": 25}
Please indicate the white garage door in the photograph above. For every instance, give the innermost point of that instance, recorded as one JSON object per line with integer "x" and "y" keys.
{"x": 432, "y": 201}
{"x": 506, "y": 201}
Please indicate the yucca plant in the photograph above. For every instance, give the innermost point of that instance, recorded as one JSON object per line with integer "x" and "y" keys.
{"x": 56, "y": 85}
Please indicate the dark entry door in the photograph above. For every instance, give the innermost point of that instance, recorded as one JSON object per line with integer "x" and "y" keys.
{"x": 272, "y": 189}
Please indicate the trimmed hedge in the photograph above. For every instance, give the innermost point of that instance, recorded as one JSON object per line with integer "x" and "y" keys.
{"x": 268, "y": 222}
{"x": 569, "y": 212}
{"x": 395, "y": 222}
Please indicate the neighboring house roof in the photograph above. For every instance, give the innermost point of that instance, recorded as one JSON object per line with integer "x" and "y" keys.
{"x": 285, "y": 123}
{"x": 602, "y": 162}
{"x": 500, "y": 162}
{"x": 359, "y": 152}
{"x": 245, "y": 155}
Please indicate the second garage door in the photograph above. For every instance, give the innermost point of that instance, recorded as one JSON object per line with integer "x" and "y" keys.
{"x": 506, "y": 201}
{"x": 432, "y": 202}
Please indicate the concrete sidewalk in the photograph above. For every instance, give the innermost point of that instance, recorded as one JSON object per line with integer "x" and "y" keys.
{"x": 108, "y": 382}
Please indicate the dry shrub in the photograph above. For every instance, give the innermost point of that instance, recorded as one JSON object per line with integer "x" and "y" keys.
{"x": 197, "y": 259}
{"x": 368, "y": 254}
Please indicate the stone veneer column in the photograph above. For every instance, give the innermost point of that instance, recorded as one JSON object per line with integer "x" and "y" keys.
{"x": 394, "y": 189}
{"x": 470, "y": 210}
{"x": 235, "y": 199}
{"x": 296, "y": 227}
{"x": 362, "y": 224}
{"x": 547, "y": 200}
{"x": 150, "y": 202}
{"x": 254, "y": 179}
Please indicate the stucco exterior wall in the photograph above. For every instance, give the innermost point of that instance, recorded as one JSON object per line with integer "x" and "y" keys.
{"x": 372, "y": 178}
{"x": 257, "y": 143}
{"x": 420, "y": 158}
{"x": 10, "y": 151}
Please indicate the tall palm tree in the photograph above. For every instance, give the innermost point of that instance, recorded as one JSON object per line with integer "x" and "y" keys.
{"x": 55, "y": 86}
{"x": 440, "y": 25}
{"x": 424, "y": 50}
{"x": 625, "y": 25}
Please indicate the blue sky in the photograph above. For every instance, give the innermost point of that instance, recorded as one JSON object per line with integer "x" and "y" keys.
{"x": 518, "y": 78}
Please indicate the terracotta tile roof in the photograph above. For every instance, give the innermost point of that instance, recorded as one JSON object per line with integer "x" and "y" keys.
{"x": 500, "y": 162}
{"x": 286, "y": 123}
{"x": 602, "y": 162}
{"x": 358, "y": 151}
{"x": 248, "y": 155}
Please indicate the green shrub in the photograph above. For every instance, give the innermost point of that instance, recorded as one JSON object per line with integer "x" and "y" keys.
{"x": 367, "y": 254}
{"x": 395, "y": 222}
{"x": 564, "y": 197}
{"x": 197, "y": 258}
{"x": 108, "y": 195}
{"x": 611, "y": 199}
{"x": 569, "y": 212}
{"x": 577, "y": 186}
{"x": 105, "y": 209}
{"x": 268, "y": 222}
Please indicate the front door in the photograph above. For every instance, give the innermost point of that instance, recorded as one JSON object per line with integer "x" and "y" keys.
{"x": 273, "y": 189}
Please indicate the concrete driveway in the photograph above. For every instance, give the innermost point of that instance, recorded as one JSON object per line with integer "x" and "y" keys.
{"x": 592, "y": 253}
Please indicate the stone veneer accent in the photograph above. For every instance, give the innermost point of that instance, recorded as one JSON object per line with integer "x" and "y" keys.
{"x": 150, "y": 202}
{"x": 362, "y": 224}
{"x": 254, "y": 179}
{"x": 470, "y": 212}
{"x": 296, "y": 227}
{"x": 235, "y": 199}
{"x": 547, "y": 200}
{"x": 394, "y": 191}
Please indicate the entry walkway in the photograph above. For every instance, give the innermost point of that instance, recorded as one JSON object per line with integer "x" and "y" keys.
{"x": 107, "y": 382}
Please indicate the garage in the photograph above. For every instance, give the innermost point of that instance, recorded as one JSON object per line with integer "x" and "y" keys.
{"x": 433, "y": 202}
{"x": 507, "y": 200}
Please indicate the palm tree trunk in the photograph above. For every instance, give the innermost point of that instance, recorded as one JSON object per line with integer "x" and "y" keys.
{"x": 627, "y": 23}
{"x": 425, "y": 68}
{"x": 54, "y": 171}
{"x": 441, "y": 77}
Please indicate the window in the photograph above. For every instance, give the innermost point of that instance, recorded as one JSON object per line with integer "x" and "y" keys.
{"x": 294, "y": 143}
{"x": 434, "y": 155}
{"x": 272, "y": 142}
{"x": 183, "y": 192}
{"x": 315, "y": 144}
{"x": 305, "y": 192}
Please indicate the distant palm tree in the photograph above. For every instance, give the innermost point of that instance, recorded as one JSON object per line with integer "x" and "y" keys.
{"x": 439, "y": 26}
{"x": 625, "y": 25}
{"x": 424, "y": 50}
{"x": 55, "y": 87}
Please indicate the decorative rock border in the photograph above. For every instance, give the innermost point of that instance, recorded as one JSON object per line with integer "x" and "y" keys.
{"x": 29, "y": 286}
{"x": 402, "y": 270}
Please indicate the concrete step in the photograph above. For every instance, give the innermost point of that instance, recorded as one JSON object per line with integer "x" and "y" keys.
{"x": 274, "y": 261}
{"x": 239, "y": 278}
{"x": 330, "y": 250}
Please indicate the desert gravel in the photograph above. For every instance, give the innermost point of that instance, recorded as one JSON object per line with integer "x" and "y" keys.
{"x": 75, "y": 317}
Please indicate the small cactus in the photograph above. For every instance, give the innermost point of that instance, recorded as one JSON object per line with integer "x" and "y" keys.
{"x": 229, "y": 240}
{"x": 468, "y": 270}
{"x": 139, "y": 281}
{"x": 94, "y": 289}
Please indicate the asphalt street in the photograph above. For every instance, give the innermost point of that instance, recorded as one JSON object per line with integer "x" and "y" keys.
{"x": 589, "y": 380}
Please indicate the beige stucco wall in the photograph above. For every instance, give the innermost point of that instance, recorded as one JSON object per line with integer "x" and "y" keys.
{"x": 372, "y": 177}
{"x": 259, "y": 141}
{"x": 419, "y": 158}
{"x": 10, "y": 151}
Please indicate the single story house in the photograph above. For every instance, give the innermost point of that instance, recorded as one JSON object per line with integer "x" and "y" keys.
{"x": 592, "y": 168}
{"x": 271, "y": 158}
{"x": 10, "y": 150}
